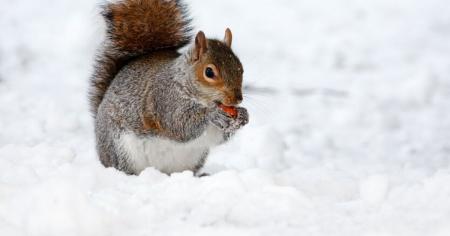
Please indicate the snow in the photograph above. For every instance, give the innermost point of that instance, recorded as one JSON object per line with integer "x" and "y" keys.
{"x": 349, "y": 133}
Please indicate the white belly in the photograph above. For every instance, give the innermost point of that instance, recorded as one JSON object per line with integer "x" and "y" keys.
{"x": 166, "y": 155}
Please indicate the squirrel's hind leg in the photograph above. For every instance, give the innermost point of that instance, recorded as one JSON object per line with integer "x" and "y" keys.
{"x": 201, "y": 163}
{"x": 109, "y": 152}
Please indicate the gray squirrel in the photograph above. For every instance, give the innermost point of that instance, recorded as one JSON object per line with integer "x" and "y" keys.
{"x": 156, "y": 107}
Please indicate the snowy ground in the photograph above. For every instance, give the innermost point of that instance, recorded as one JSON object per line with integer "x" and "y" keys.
{"x": 349, "y": 133}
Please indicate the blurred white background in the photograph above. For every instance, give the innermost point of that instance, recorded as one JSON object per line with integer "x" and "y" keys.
{"x": 349, "y": 133}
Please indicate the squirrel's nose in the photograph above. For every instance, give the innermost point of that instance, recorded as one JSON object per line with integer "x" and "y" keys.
{"x": 239, "y": 98}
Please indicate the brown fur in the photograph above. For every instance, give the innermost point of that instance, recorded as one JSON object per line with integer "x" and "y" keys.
{"x": 229, "y": 78}
{"x": 228, "y": 39}
{"x": 135, "y": 28}
{"x": 149, "y": 124}
{"x": 147, "y": 24}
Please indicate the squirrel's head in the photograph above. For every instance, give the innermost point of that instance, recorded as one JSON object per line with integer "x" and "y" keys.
{"x": 218, "y": 71}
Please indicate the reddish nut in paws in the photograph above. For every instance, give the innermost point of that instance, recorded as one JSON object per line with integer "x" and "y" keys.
{"x": 230, "y": 110}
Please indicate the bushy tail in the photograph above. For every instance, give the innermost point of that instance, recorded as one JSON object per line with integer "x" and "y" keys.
{"x": 135, "y": 28}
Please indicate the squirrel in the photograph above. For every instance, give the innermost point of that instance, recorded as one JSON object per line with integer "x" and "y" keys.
{"x": 153, "y": 105}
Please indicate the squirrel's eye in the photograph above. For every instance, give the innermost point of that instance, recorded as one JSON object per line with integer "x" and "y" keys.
{"x": 209, "y": 72}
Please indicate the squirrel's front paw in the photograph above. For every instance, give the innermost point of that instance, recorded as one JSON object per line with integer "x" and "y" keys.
{"x": 240, "y": 120}
{"x": 226, "y": 123}
{"x": 220, "y": 119}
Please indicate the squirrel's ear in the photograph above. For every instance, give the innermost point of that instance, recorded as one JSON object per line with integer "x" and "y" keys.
{"x": 228, "y": 37}
{"x": 200, "y": 45}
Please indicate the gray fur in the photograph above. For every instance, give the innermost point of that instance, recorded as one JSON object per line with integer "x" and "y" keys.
{"x": 159, "y": 87}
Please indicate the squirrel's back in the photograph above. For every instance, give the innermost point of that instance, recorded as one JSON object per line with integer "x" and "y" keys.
{"x": 136, "y": 28}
